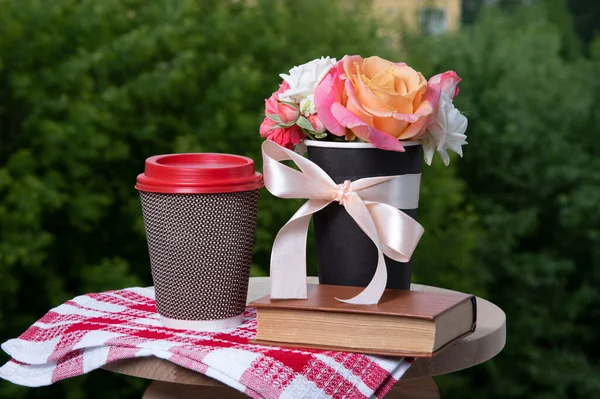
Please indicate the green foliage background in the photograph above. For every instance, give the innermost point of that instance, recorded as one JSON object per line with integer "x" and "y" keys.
{"x": 531, "y": 174}
{"x": 89, "y": 89}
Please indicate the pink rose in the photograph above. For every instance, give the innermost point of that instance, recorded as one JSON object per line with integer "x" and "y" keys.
{"x": 284, "y": 136}
{"x": 447, "y": 83}
{"x": 329, "y": 92}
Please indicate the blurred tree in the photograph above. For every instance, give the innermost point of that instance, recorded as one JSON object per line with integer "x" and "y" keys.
{"x": 559, "y": 14}
{"x": 531, "y": 172}
{"x": 469, "y": 10}
{"x": 587, "y": 18}
{"x": 89, "y": 89}
{"x": 579, "y": 20}
{"x": 472, "y": 8}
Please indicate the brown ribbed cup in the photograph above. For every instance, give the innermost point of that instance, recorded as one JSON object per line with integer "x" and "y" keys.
{"x": 200, "y": 215}
{"x": 200, "y": 248}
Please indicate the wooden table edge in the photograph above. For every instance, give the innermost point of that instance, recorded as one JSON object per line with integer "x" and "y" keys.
{"x": 475, "y": 349}
{"x": 422, "y": 388}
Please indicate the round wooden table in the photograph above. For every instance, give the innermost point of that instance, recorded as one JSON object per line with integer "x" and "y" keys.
{"x": 172, "y": 381}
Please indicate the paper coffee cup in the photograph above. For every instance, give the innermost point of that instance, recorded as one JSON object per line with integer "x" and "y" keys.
{"x": 200, "y": 217}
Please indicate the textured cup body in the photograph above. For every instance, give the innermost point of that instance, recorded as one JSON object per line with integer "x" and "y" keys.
{"x": 200, "y": 248}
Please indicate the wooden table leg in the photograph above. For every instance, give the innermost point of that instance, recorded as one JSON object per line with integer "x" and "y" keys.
{"x": 420, "y": 388}
{"x": 170, "y": 390}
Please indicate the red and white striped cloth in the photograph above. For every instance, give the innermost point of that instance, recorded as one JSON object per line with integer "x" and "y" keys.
{"x": 92, "y": 330}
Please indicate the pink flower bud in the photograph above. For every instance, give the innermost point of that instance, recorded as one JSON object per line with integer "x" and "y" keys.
{"x": 316, "y": 123}
{"x": 286, "y": 137}
{"x": 287, "y": 113}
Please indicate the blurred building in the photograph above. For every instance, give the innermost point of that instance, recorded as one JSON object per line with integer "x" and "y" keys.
{"x": 428, "y": 16}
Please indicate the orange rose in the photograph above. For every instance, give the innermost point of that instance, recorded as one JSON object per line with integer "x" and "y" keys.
{"x": 381, "y": 102}
{"x": 387, "y": 96}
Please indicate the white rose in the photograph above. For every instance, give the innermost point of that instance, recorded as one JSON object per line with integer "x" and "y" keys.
{"x": 304, "y": 79}
{"x": 447, "y": 132}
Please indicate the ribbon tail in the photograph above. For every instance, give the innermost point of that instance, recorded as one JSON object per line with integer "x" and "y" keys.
{"x": 288, "y": 256}
{"x": 372, "y": 293}
{"x": 398, "y": 232}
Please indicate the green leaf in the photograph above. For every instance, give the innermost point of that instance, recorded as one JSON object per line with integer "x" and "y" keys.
{"x": 274, "y": 118}
{"x": 305, "y": 124}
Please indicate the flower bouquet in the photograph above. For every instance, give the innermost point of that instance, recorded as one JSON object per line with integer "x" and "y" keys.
{"x": 368, "y": 100}
{"x": 366, "y": 123}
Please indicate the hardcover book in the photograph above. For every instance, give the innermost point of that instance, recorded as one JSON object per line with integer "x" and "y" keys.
{"x": 403, "y": 323}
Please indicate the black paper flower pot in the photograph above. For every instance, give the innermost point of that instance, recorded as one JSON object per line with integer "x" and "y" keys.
{"x": 345, "y": 254}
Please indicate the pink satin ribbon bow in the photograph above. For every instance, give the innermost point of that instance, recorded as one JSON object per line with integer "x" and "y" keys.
{"x": 372, "y": 202}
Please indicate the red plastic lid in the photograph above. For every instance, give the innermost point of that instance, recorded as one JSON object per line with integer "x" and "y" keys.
{"x": 198, "y": 173}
